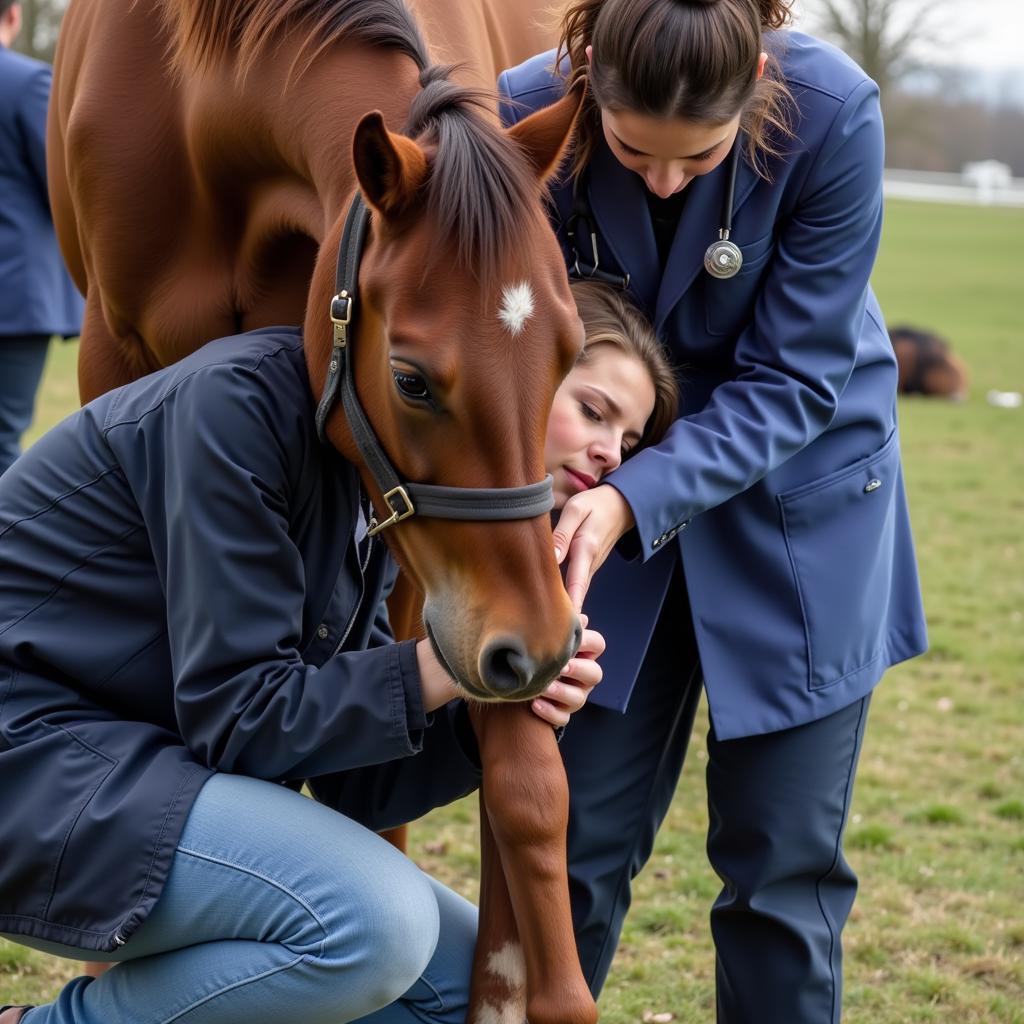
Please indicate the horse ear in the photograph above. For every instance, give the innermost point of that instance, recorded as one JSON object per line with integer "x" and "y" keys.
{"x": 544, "y": 136}
{"x": 390, "y": 168}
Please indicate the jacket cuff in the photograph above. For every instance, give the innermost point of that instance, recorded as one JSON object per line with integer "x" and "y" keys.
{"x": 408, "y": 716}
{"x": 650, "y": 535}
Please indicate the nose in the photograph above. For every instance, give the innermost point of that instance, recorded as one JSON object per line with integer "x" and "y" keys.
{"x": 606, "y": 453}
{"x": 509, "y": 672}
{"x": 663, "y": 181}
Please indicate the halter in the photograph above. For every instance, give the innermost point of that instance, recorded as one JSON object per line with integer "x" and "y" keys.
{"x": 403, "y": 499}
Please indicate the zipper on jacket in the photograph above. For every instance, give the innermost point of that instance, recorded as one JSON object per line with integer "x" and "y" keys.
{"x": 359, "y": 600}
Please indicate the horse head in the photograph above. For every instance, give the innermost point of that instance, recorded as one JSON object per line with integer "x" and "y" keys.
{"x": 463, "y": 327}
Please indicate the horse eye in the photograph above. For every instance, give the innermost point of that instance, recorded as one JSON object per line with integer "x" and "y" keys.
{"x": 411, "y": 385}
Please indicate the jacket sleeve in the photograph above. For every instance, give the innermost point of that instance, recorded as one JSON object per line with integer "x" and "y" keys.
{"x": 34, "y": 99}
{"x": 212, "y": 477}
{"x": 795, "y": 357}
{"x": 387, "y": 795}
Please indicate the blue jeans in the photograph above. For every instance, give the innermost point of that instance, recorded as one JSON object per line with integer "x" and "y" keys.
{"x": 278, "y": 909}
{"x": 21, "y": 368}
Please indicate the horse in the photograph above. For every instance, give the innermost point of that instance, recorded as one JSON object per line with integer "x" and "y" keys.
{"x": 203, "y": 156}
{"x": 927, "y": 365}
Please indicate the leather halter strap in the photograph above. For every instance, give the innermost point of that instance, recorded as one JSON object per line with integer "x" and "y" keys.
{"x": 402, "y": 498}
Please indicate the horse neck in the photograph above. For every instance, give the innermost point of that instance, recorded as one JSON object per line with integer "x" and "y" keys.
{"x": 313, "y": 114}
{"x": 310, "y": 119}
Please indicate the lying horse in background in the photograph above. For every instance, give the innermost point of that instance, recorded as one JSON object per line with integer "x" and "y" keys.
{"x": 203, "y": 159}
{"x": 927, "y": 365}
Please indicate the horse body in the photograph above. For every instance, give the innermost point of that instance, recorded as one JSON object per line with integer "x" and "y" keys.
{"x": 197, "y": 209}
{"x": 195, "y": 204}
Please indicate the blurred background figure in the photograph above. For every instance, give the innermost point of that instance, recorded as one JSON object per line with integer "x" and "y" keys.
{"x": 37, "y": 297}
{"x": 927, "y": 366}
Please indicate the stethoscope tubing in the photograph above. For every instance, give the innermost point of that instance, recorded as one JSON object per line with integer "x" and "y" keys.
{"x": 722, "y": 260}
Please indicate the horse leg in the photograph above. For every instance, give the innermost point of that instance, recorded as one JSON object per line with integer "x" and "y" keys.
{"x": 526, "y": 798}
{"x": 497, "y": 989}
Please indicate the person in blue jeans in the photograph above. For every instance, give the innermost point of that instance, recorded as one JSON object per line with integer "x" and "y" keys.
{"x": 191, "y": 622}
{"x": 37, "y": 298}
{"x": 192, "y": 615}
{"x": 728, "y": 175}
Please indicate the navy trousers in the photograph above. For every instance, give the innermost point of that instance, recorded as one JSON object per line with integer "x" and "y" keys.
{"x": 778, "y": 804}
{"x": 21, "y": 367}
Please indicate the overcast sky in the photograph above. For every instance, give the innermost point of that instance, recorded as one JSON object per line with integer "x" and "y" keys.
{"x": 982, "y": 33}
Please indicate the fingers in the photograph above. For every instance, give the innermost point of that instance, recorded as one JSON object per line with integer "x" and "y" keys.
{"x": 580, "y": 571}
{"x": 549, "y": 712}
{"x": 570, "y": 520}
{"x": 592, "y": 645}
{"x": 570, "y": 691}
{"x": 582, "y": 673}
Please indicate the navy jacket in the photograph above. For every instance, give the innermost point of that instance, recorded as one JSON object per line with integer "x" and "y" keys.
{"x": 185, "y": 590}
{"x": 780, "y": 482}
{"x": 36, "y": 293}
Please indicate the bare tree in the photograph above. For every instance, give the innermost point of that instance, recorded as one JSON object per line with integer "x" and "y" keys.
{"x": 40, "y": 27}
{"x": 885, "y": 37}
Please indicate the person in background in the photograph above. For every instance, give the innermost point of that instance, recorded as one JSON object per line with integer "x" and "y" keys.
{"x": 772, "y": 559}
{"x": 37, "y": 297}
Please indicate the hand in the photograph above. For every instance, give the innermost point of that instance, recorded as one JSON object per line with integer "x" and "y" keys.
{"x": 572, "y": 688}
{"x": 589, "y": 527}
{"x": 436, "y": 685}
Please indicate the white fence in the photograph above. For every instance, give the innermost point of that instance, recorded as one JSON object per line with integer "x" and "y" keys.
{"x": 935, "y": 187}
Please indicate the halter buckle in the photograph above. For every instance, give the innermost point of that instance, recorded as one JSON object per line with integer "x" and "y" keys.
{"x": 403, "y": 511}
{"x": 341, "y": 316}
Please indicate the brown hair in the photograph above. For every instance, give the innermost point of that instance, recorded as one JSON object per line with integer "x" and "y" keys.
{"x": 610, "y": 318}
{"x": 694, "y": 59}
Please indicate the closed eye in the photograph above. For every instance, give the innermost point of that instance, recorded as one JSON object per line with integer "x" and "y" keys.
{"x": 699, "y": 157}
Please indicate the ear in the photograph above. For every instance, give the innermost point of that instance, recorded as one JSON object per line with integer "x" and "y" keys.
{"x": 390, "y": 168}
{"x": 544, "y": 136}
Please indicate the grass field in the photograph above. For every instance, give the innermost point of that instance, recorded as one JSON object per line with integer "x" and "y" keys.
{"x": 937, "y": 829}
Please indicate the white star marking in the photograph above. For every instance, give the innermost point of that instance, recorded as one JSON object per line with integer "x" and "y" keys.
{"x": 516, "y": 306}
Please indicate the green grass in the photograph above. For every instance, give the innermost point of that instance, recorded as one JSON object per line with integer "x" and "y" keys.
{"x": 937, "y": 828}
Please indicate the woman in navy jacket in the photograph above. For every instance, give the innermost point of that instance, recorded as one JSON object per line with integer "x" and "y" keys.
{"x": 763, "y": 548}
{"x": 191, "y": 614}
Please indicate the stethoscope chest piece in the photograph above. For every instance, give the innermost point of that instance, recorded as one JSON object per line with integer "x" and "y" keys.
{"x": 723, "y": 259}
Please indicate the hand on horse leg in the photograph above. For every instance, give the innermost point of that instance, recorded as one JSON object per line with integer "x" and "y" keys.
{"x": 498, "y": 986}
{"x": 526, "y": 797}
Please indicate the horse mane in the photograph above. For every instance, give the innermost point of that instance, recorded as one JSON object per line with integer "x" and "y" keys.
{"x": 205, "y": 33}
{"x": 481, "y": 189}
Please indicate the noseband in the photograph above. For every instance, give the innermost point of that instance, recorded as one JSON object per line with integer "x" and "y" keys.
{"x": 403, "y": 499}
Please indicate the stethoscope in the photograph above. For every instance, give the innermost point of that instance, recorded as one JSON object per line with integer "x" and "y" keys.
{"x": 722, "y": 259}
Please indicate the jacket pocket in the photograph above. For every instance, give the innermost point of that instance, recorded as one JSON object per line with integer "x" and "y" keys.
{"x": 729, "y": 303}
{"x": 48, "y": 782}
{"x": 839, "y": 533}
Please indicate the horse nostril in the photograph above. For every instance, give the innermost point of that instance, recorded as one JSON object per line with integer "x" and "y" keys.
{"x": 577, "y": 638}
{"x": 505, "y": 667}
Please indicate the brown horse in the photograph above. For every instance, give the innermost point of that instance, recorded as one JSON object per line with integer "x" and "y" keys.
{"x": 203, "y": 155}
